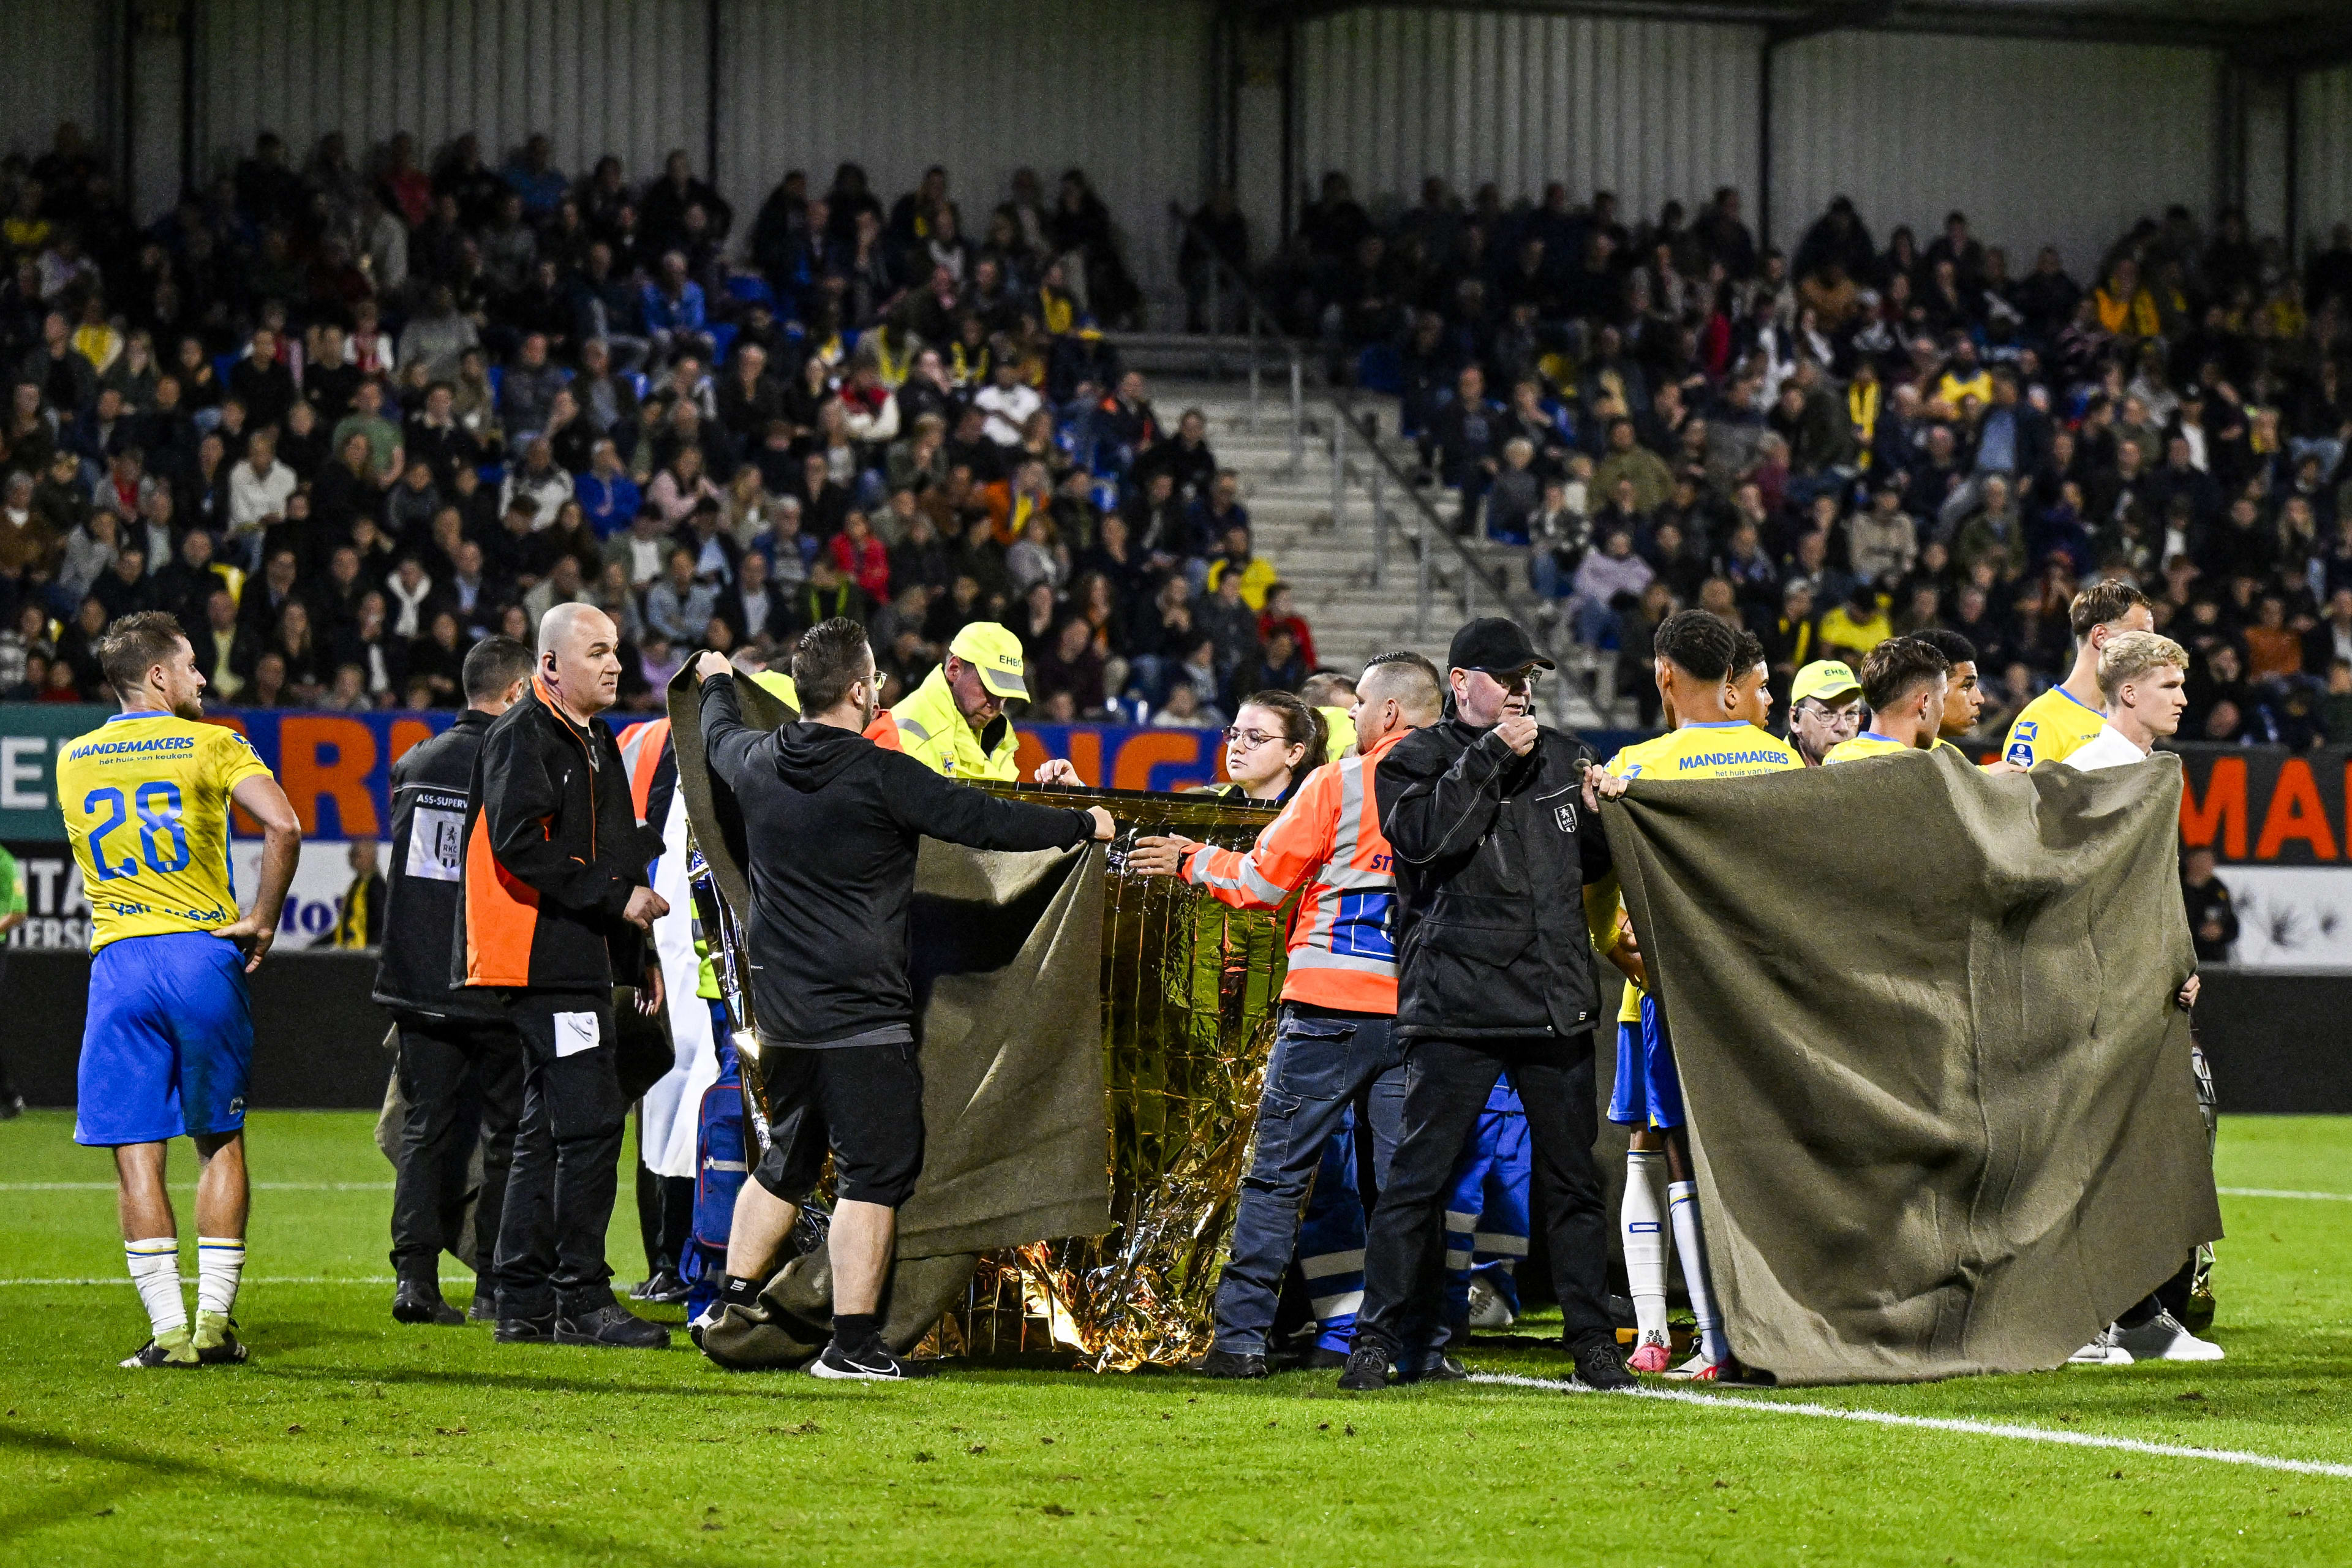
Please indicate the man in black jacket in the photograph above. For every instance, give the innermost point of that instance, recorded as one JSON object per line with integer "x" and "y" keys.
{"x": 1498, "y": 875}
{"x": 555, "y": 907}
{"x": 460, "y": 1062}
{"x": 834, "y": 823}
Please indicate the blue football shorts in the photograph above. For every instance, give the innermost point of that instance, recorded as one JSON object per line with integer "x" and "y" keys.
{"x": 1649, "y": 1092}
{"x": 167, "y": 1050}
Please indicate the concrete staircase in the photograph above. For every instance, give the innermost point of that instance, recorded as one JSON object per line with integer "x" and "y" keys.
{"x": 1360, "y": 595}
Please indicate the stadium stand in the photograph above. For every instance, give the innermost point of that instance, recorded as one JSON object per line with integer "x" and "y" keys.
{"x": 345, "y": 415}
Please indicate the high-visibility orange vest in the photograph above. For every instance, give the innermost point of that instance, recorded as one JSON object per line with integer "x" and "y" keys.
{"x": 1328, "y": 841}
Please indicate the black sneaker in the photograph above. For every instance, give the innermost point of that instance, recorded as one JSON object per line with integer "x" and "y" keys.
{"x": 1367, "y": 1369}
{"x": 1436, "y": 1369}
{"x": 870, "y": 1363}
{"x": 1227, "y": 1363}
{"x": 419, "y": 1301}
{"x": 485, "y": 1306}
{"x": 1601, "y": 1365}
{"x": 664, "y": 1290}
{"x": 526, "y": 1330}
{"x": 613, "y": 1326}
{"x": 1321, "y": 1360}
{"x": 12, "y": 1106}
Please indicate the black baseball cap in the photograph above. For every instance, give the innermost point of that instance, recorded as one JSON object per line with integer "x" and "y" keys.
{"x": 1494, "y": 644}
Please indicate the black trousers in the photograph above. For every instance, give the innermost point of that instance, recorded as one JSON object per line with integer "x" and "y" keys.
{"x": 665, "y": 1211}
{"x": 1446, "y": 1085}
{"x": 7, "y": 1090}
{"x": 551, "y": 1256}
{"x": 463, "y": 1082}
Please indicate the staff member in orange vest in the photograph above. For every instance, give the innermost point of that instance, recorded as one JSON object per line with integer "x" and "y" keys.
{"x": 555, "y": 906}
{"x": 1336, "y": 1037}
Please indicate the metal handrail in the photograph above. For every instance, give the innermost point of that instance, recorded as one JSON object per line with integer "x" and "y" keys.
{"x": 1364, "y": 426}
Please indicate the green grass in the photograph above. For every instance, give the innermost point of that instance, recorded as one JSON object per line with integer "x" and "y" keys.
{"x": 352, "y": 1439}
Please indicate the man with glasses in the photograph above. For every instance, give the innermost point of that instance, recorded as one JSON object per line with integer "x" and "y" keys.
{"x": 1500, "y": 874}
{"x": 1824, "y": 709}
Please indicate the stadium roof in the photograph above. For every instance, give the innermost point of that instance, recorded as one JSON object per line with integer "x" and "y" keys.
{"x": 2277, "y": 33}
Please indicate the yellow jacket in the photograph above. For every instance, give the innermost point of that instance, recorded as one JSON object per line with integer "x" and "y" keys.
{"x": 928, "y": 727}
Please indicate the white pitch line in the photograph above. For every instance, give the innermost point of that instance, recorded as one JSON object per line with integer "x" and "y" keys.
{"x": 258, "y": 1187}
{"x": 2281, "y": 1192}
{"x": 1948, "y": 1424}
{"x": 249, "y": 1280}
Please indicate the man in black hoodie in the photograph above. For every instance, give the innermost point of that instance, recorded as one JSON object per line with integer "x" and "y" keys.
{"x": 834, "y": 823}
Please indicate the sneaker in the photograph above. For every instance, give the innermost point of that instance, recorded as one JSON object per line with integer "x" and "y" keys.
{"x": 1321, "y": 1359}
{"x": 176, "y": 1347}
{"x": 1227, "y": 1363}
{"x": 1435, "y": 1367}
{"x": 870, "y": 1363}
{"x": 2104, "y": 1351}
{"x": 1698, "y": 1369}
{"x": 1367, "y": 1369}
{"x": 664, "y": 1290}
{"x": 215, "y": 1340}
{"x": 1488, "y": 1312}
{"x": 419, "y": 1301}
{"x": 702, "y": 1320}
{"x": 1652, "y": 1354}
{"x": 1600, "y": 1366}
{"x": 613, "y": 1326}
{"x": 526, "y": 1330}
{"x": 11, "y": 1107}
{"x": 484, "y": 1308}
{"x": 2163, "y": 1338}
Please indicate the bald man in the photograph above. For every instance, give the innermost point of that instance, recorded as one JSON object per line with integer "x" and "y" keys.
{"x": 554, "y": 909}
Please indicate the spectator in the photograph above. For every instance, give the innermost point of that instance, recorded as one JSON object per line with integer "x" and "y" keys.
{"x": 2212, "y": 913}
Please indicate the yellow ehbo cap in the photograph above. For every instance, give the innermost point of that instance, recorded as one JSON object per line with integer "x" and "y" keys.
{"x": 996, "y": 652}
{"x": 1823, "y": 678}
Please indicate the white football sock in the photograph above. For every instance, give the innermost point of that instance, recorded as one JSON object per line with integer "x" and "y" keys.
{"x": 220, "y": 1260}
{"x": 1682, "y": 1202}
{"x": 1643, "y": 1220}
{"x": 155, "y": 1268}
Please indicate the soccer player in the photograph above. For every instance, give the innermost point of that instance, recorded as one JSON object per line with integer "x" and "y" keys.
{"x": 1904, "y": 681}
{"x": 2071, "y": 712}
{"x": 2141, "y": 683}
{"x": 1824, "y": 709}
{"x": 1713, "y": 688}
{"x": 1963, "y": 696}
{"x": 167, "y": 1049}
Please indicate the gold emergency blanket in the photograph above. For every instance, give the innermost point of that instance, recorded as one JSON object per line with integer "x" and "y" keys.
{"x": 1189, "y": 989}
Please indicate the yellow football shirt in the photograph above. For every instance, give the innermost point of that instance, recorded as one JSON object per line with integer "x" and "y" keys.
{"x": 146, "y": 800}
{"x": 2050, "y": 728}
{"x": 1729, "y": 749}
{"x": 1869, "y": 743}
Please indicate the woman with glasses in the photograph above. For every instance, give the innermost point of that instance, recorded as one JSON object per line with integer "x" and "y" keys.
{"x": 1273, "y": 743}
{"x": 1232, "y": 970}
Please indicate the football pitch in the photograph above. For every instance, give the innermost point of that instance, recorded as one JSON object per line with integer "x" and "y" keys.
{"x": 350, "y": 1437}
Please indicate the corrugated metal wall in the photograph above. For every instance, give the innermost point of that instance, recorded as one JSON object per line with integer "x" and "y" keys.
{"x": 2038, "y": 142}
{"x": 980, "y": 86}
{"x": 1650, "y": 109}
{"x": 598, "y": 76}
{"x": 53, "y": 56}
{"x": 2324, "y": 175}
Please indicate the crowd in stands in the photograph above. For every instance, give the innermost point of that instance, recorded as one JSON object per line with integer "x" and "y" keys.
{"x": 1873, "y": 434}
{"x": 344, "y": 417}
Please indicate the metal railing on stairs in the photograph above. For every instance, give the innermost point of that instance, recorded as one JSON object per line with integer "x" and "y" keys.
{"x": 1475, "y": 586}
